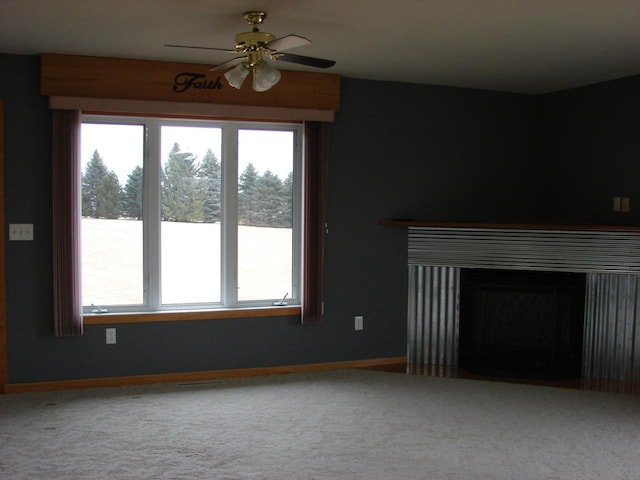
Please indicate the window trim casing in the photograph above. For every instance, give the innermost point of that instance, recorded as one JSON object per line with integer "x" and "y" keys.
{"x": 152, "y": 306}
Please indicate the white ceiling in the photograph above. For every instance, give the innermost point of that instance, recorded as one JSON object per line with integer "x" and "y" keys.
{"x": 528, "y": 46}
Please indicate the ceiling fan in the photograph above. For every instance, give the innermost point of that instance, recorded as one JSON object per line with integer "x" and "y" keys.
{"x": 256, "y": 46}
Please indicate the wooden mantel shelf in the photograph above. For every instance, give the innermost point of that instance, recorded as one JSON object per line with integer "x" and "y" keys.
{"x": 513, "y": 226}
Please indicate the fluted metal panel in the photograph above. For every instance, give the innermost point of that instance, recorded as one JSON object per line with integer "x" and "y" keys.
{"x": 433, "y": 315}
{"x": 552, "y": 250}
{"x": 612, "y": 329}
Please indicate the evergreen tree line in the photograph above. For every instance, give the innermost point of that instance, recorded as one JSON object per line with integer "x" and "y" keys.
{"x": 191, "y": 192}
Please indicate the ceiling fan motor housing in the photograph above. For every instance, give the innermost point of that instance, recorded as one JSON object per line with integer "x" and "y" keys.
{"x": 253, "y": 44}
{"x": 246, "y": 41}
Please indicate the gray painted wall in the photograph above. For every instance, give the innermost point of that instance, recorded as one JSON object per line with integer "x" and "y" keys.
{"x": 395, "y": 150}
{"x": 591, "y": 151}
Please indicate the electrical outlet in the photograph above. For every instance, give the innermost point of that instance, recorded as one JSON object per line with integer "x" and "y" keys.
{"x": 359, "y": 322}
{"x": 110, "y": 334}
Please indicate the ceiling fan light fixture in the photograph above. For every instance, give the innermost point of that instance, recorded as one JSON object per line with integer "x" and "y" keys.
{"x": 264, "y": 77}
{"x": 236, "y": 76}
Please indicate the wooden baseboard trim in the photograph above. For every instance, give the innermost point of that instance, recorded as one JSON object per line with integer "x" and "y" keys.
{"x": 196, "y": 376}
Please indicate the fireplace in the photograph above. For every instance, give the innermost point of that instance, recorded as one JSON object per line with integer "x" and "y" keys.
{"x": 523, "y": 324}
{"x": 598, "y": 267}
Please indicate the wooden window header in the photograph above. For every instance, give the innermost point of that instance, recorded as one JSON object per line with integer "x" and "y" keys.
{"x": 116, "y": 78}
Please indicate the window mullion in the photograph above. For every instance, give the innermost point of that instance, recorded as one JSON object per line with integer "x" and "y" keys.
{"x": 229, "y": 252}
{"x": 152, "y": 211}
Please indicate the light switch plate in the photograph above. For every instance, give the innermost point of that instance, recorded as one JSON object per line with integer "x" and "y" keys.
{"x": 21, "y": 231}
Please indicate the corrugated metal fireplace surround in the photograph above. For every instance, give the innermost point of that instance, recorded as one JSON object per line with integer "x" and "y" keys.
{"x": 610, "y": 259}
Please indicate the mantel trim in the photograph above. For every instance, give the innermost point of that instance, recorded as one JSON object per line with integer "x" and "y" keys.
{"x": 510, "y": 226}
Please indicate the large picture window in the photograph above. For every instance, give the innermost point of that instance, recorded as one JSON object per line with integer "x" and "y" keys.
{"x": 185, "y": 214}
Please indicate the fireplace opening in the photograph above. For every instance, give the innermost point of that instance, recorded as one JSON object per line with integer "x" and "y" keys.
{"x": 521, "y": 324}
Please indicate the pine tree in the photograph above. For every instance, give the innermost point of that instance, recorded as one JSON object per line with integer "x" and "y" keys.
{"x": 132, "y": 196}
{"x": 101, "y": 192}
{"x": 182, "y": 199}
{"x": 210, "y": 175}
{"x": 93, "y": 173}
{"x": 268, "y": 200}
{"x": 286, "y": 217}
{"x": 109, "y": 197}
{"x": 246, "y": 193}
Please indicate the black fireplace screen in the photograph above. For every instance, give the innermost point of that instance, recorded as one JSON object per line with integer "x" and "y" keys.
{"x": 525, "y": 324}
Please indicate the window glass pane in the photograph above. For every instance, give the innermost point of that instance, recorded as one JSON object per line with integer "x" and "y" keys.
{"x": 112, "y": 174}
{"x": 265, "y": 215}
{"x": 190, "y": 215}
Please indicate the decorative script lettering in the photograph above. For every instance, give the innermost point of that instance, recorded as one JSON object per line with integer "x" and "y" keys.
{"x": 186, "y": 80}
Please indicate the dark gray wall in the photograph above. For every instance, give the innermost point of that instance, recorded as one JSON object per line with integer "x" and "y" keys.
{"x": 409, "y": 151}
{"x": 395, "y": 150}
{"x": 591, "y": 151}
{"x": 433, "y": 153}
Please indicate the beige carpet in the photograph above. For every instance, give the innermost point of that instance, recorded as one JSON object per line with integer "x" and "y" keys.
{"x": 348, "y": 424}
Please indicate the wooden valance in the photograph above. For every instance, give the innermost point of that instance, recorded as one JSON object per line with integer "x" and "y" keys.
{"x": 117, "y": 78}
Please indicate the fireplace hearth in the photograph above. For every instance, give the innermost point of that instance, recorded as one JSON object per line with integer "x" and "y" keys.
{"x": 522, "y": 324}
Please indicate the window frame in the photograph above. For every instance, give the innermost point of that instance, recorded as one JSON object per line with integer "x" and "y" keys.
{"x": 152, "y": 167}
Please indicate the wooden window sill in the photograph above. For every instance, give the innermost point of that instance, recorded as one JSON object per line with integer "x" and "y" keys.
{"x": 182, "y": 315}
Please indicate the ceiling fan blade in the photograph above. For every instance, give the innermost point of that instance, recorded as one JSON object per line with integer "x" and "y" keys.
{"x": 203, "y": 48}
{"x": 228, "y": 64}
{"x": 302, "y": 60}
{"x": 287, "y": 42}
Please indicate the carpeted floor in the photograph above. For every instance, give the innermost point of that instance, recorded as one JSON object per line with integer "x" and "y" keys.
{"x": 347, "y": 424}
